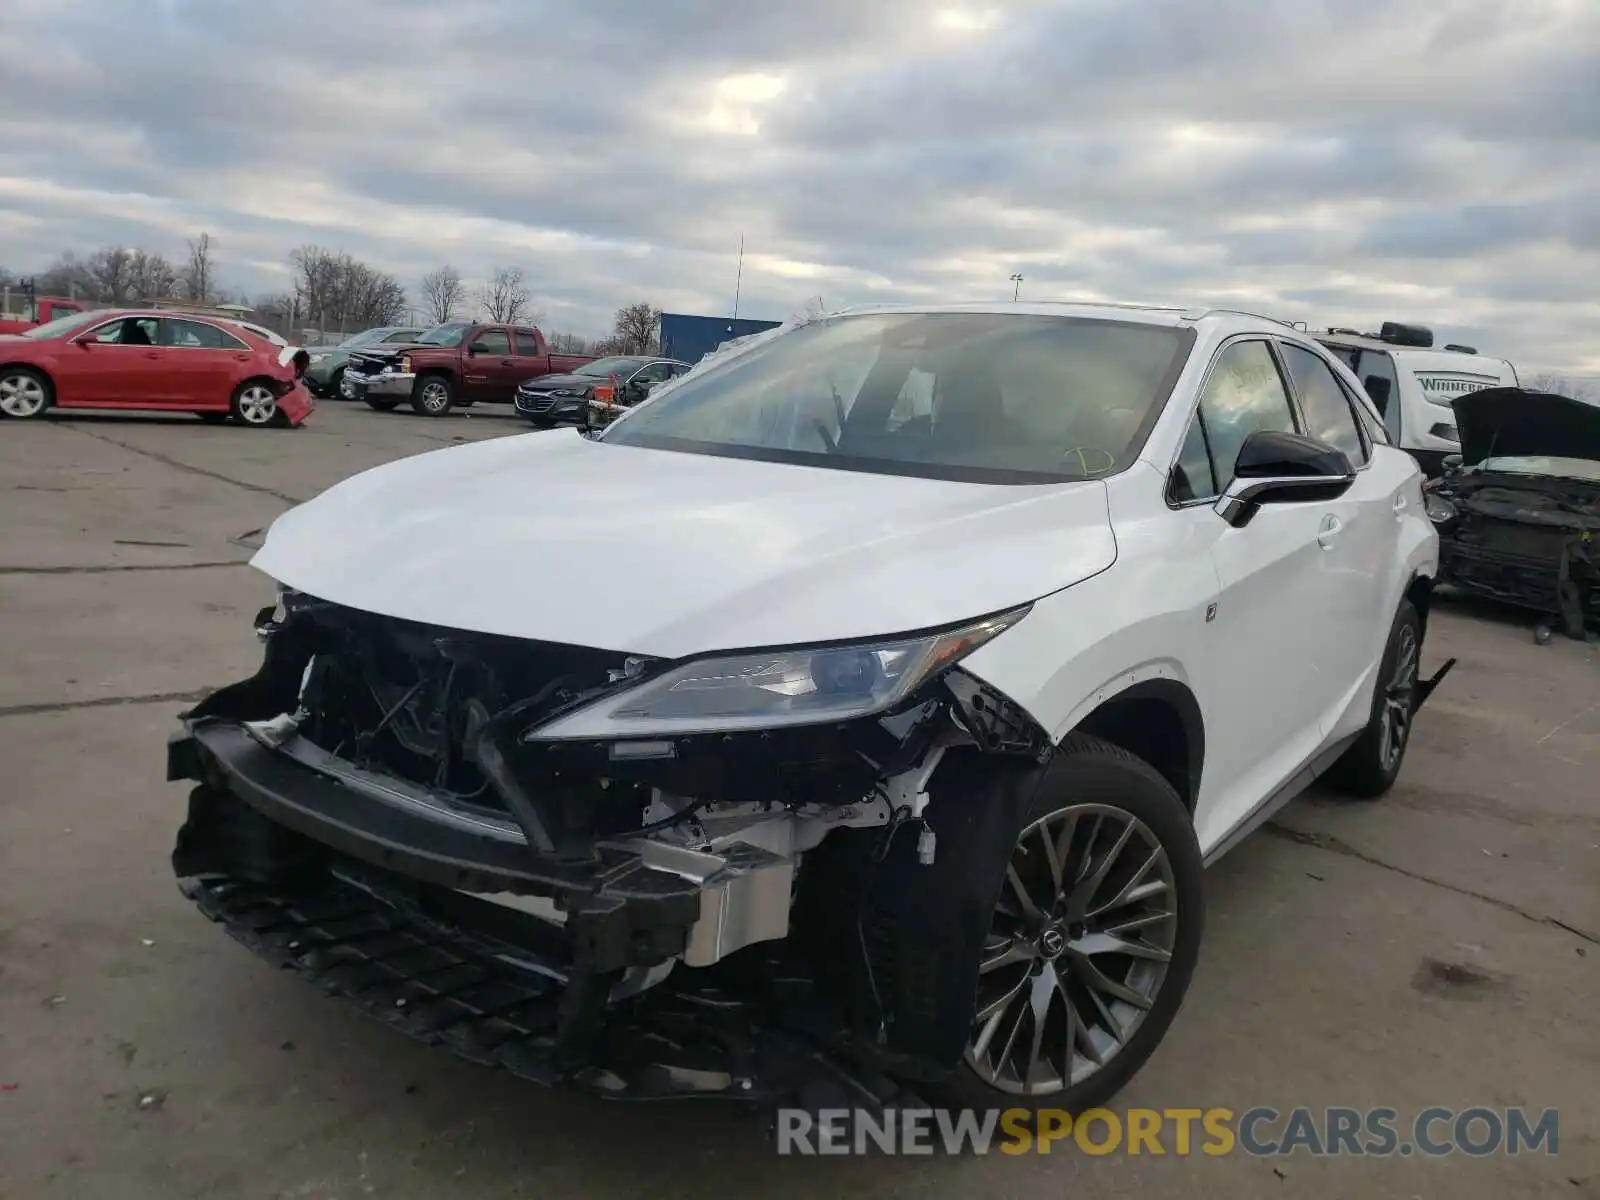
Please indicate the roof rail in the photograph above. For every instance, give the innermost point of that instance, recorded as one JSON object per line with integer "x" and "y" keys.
{"x": 1244, "y": 312}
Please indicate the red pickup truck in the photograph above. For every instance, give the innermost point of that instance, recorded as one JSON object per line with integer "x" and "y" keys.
{"x": 453, "y": 365}
{"x": 39, "y": 312}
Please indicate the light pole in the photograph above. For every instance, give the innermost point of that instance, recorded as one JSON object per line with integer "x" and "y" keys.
{"x": 1016, "y": 291}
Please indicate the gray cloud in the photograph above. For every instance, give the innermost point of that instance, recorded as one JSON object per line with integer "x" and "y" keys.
{"x": 1334, "y": 161}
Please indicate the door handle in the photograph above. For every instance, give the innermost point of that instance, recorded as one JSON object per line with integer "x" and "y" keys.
{"x": 1400, "y": 506}
{"x": 151, "y": 354}
{"x": 1329, "y": 533}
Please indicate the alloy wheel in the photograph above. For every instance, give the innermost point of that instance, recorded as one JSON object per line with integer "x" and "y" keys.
{"x": 1077, "y": 950}
{"x": 21, "y": 395}
{"x": 435, "y": 396}
{"x": 1399, "y": 697}
{"x": 257, "y": 405}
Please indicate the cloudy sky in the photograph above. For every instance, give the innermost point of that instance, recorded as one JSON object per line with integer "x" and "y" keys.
{"x": 1340, "y": 161}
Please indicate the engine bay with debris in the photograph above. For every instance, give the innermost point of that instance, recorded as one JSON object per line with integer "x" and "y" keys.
{"x": 641, "y": 916}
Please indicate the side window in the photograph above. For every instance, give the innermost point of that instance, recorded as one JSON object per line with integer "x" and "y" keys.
{"x": 130, "y": 331}
{"x": 1244, "y": 394}
{"x": 402, "y": 336}
{"x": 679, "y": 369}
{"x": 493, "y": 341}
{"x": 195, "y": 335}
{"x": 654, "y": 373}
{"x": 1193, "y": 477}
{"x": 527, "y": 343}
{"x": 1323, "y": 403}
{"x": 1376, "y": 371}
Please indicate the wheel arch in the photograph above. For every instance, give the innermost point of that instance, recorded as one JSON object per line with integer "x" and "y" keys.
{"x": 1420, "y": 592}
{"x": 1159, "y": 721}
{"x": 42, "y": 372}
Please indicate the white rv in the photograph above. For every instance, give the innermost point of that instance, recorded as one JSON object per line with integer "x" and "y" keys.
{"x": 1412, "y": 383}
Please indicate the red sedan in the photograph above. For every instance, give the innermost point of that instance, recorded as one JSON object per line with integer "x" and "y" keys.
{"x": 213, "y": 367}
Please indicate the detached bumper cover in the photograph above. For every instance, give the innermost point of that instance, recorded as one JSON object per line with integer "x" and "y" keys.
{"x": 297, "y": 404}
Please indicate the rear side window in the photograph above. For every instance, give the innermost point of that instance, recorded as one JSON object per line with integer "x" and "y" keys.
{"x": 195, "y": 335}
{"x": 528, "y": 343}
{"x": 1322, "y": 401}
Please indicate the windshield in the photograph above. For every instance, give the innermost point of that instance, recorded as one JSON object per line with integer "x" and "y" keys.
{"x": 452, "y": 334}
{"x": 1585, "y": 469}
{"x": 62, "y": 326}
{"x": 609, "y": 366}
{"x": 987, "y": 397}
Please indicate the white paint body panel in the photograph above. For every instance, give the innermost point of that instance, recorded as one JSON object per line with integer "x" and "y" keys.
{"x": 552, "y": 537}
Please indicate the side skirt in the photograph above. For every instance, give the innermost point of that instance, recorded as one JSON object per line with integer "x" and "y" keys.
{"x": 1297, "y": 783}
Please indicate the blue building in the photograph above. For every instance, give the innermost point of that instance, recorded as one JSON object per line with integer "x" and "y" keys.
{"x": 689, "y": 339}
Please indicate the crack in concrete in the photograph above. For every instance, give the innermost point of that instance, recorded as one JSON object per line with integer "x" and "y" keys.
{"x": 1324, "y": 841}
{"x": 116, "y": 567}
{"x": 179, "y": 465}
{"x": 28, "y": 710}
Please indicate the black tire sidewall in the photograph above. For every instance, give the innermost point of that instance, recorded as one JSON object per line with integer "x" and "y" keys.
{"x": 1089, "y": 771}
{"x": 1360, "y": 771}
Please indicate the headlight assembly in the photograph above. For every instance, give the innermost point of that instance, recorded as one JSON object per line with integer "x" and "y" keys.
{"x": 775, "y": 688}
{"x": 1439, "y": 509}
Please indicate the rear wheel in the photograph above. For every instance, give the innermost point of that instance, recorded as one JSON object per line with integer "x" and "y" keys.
{"x": 1369, "y": 768}
{"x": 24, "y": 393}
{"x": 433, "y": 396}
{"x": 1093, "y": 936}
{"x": 255, "y": 404}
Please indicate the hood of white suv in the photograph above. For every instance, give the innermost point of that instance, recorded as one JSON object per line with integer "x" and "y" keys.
{"x": 553, "y": 537}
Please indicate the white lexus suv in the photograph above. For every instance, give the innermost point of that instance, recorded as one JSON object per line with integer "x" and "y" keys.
{"x": 863, "y": 706}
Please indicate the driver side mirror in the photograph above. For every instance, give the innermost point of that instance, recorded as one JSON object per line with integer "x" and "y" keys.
{"x": 1283, "y": 468}
{"x": 1451, "y": 462}
{"x": 475, "y": 348}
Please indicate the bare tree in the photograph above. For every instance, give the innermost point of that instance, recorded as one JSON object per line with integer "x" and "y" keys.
{"x": 150, "y": 275}
{"x": 67, "y": 276}
{"x": 197, "y": 276}
{"x": 567, "y": 343}
{"x": 503, "y": 296}
{"x": 336, "y": 291}
{"x": 111, "y": 274}
{"x": 1565, "y": 385}
{"x": 442, "y": 293}
{"x": 636, "y": 329}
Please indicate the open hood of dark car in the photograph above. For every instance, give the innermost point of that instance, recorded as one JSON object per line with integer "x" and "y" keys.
{"x": 1509, "y": 421}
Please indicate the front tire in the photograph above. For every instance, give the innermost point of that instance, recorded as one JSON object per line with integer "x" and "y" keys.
{"x": 1369, "y": 768}
{"x": 433, "y": 395}
{"x": 1094, "y": 935}
{"x": 24, "y": 393}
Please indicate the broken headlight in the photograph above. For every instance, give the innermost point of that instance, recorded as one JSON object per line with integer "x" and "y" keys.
{"x": 1439, "y": 509}
{"x": 799, "y": 686}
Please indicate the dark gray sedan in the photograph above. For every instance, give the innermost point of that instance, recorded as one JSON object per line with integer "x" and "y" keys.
{"x": 620, "y": 381}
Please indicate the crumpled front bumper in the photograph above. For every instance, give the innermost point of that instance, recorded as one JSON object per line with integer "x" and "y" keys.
{"x": 394, "y": 385}
{"x": 633, "y": 903}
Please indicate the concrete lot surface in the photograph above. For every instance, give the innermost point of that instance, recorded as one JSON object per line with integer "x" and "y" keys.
{"x": 1437, "y": 947}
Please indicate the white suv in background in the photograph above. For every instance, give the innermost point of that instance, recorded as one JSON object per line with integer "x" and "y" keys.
{"x": 932, "y": 652}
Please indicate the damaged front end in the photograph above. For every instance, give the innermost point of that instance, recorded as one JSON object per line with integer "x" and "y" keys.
{"x": 1520, "y": 521}
{"x": 1526, "y": 540}
{"x": 425, "y": 821}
